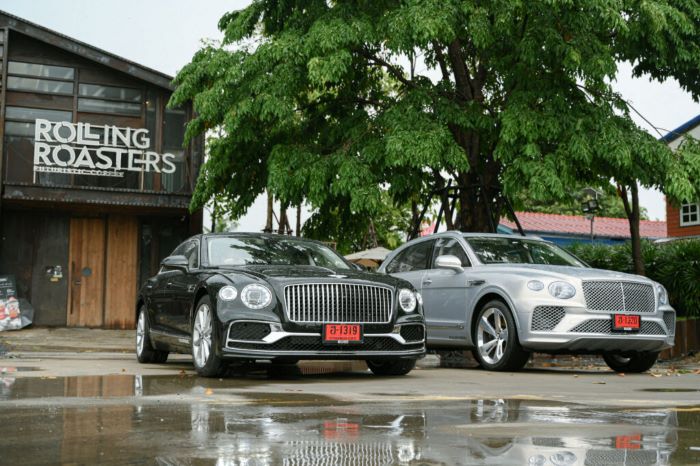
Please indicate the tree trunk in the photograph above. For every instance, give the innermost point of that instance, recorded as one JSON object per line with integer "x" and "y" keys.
{"x": 478, "y": 211}
{"x": 213, "y": 217}
{"x": 268, "y": 221}
{"x": 284, "y": 221}
{"x": 298, "y": 229}
{"x": 633, "y": 217}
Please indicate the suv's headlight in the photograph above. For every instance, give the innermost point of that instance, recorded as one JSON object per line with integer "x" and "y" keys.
{"x": 228, "y": 293}
{"x": 407, "y": 300}
{"x": 256, "y": 296}
{"x": 662, "y": 294}
{"x": 562, "y": 290}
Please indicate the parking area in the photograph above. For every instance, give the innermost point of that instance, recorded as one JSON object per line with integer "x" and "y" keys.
{"x": 74, "y": 395}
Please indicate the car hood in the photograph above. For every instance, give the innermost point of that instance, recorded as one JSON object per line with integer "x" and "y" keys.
{"x": 562, "y": 271}
{"x": 280, "y": 274}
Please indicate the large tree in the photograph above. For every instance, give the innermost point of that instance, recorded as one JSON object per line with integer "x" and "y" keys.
{"x": 337, "y": 102}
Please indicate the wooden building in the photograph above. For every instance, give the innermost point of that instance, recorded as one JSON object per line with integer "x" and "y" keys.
{"x": 96, "y": 183}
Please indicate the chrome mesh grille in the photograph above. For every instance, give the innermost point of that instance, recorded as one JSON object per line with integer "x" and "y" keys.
{"x": 622, "y": 457}
{"x": 338, "y": 302}
{"x": 312, "y": 453}
{"x": 546, "y": 317}
{"x": 619, "y": 296}
{"x": 670, "y": 321}
{"x": 605, "y": 326}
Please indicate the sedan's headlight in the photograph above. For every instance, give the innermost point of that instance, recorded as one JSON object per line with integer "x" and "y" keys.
{"x": 407, "y": 300}
{"x": 662, "y": 294}
{"x": 562, "y": 290}
{"x": 256, "y": 296}
{"x": 228, "y": 293}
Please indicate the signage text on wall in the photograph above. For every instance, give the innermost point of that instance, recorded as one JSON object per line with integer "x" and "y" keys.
{"x": 101, "y": 150}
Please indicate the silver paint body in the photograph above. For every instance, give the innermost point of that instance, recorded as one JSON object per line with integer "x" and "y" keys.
{"x": 451, "y": 300}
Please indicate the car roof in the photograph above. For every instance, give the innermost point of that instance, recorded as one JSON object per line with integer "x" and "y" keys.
{"x": 480, "y": 235}
{"x": 253, "y": 234}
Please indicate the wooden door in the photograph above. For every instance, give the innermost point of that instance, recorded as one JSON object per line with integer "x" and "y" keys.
{"x": 87, "y": 272}
{"x": 122, "y": 272}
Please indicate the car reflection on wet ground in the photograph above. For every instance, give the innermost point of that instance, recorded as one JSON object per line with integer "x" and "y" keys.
{"x": 186, "y": 420}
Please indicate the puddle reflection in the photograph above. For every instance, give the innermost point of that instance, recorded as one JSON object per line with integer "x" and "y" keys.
{"x": 303, "y": 433}
{"x": 245, "y": 425}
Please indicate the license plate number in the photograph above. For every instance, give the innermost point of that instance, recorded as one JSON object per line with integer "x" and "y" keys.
{"x": 342, "y": 333}
{"x": 626, "y": 323}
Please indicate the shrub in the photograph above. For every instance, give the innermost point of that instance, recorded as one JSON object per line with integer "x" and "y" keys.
{"x": 676, "y": 265}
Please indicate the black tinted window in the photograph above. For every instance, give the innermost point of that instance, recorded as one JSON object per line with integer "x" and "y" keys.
{"x": 450, "y": 247}
{"x": 412, "y": 258}
{"x": 192, "y": 253}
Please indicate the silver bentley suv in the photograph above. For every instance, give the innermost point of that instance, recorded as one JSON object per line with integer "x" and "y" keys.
{"x": 506, "y": 296}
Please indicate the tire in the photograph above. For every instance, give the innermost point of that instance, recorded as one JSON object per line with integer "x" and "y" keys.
{"x": 632, "y": 363}
{"x": 145, "y": 353}
{"x": 496, "y": 339}
{"x": 205, "y": 341}
{"x": 391, "y": 366}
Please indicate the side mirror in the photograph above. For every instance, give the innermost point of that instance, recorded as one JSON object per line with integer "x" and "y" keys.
{"x": 358, "y": 267}
{"x": 175, "y": 262}
{"x": 449, "y": 262}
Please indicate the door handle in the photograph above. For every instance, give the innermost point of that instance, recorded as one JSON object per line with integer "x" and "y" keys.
{"x": 169, "y": 285}
{"x": 427, "y": 282}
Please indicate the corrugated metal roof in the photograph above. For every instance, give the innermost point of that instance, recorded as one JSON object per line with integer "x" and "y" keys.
{"x": 580, "y": 225}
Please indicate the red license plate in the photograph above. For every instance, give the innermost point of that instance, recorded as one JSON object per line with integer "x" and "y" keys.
{"x": 626, "y": 323}
{"x": 342, "y": 333}
{"x": 628, "y": 442}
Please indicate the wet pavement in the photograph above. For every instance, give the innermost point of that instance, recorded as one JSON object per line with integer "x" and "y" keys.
{"x": 73, "y": 397}
{"x": 263, "y": 415}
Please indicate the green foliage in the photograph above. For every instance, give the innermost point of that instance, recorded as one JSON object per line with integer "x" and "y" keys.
{"x": 350, "y": 232}
{"x": 610, "y": 204}
{"x": 676, "y": 265}
{"x": 316, "y": 101}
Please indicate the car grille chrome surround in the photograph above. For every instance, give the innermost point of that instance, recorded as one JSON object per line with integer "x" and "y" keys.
{"x": 605, "y": 326}
{"x": 670, "y": 321}
{"x": 338, "y": 302}
{"x": 546, "y": 317}
{"x": 618, "y": 296}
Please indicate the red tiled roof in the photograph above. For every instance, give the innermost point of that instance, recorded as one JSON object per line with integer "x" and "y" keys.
{"x": 580, "y": 225}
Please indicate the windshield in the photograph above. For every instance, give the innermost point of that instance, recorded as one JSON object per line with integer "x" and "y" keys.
{"x": 225, "y": 251}
{"x": 520, "y": 251}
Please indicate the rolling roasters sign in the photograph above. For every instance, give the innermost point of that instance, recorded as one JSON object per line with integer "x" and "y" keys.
{"x": 101, "y": 150}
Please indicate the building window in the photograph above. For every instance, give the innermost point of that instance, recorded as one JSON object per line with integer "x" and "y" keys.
{"x": 95, "y": 98}
{"x": 174, "y": 123}
{"x": 690, "y": 214}
{"x": 19, "y": 144}
{"x": 32, "y": 77}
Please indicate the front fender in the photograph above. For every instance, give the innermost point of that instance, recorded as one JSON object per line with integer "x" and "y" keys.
{"x": 495, "y": 291}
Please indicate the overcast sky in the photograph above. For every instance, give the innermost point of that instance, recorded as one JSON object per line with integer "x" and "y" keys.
{"x": 164, "y": 34}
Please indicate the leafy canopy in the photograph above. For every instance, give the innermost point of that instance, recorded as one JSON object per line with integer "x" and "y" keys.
{"x": 339, "y": 102}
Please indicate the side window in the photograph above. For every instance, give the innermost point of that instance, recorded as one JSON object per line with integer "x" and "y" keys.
{"x": 412, "y": 258}
{"x": 192, "y": 254}
{"x": 180, "y": 250}
{"x": 451, "y": 247}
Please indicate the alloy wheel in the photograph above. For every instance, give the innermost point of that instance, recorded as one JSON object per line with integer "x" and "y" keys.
{"x": 201, "y": 335}
{"x": 140, "y": 333}
{"x": 492, "y": 335}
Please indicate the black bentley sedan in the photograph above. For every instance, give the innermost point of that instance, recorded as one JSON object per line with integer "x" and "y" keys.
{"x": 247, "y": 296}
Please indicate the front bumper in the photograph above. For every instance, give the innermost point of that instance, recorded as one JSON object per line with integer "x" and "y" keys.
{"x": 406, "y": 341}
{"x": 552, "y": 327}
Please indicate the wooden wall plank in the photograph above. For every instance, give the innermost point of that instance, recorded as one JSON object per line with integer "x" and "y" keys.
{"x": 122, "y": 272}
{"x": 87, "y": 242}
